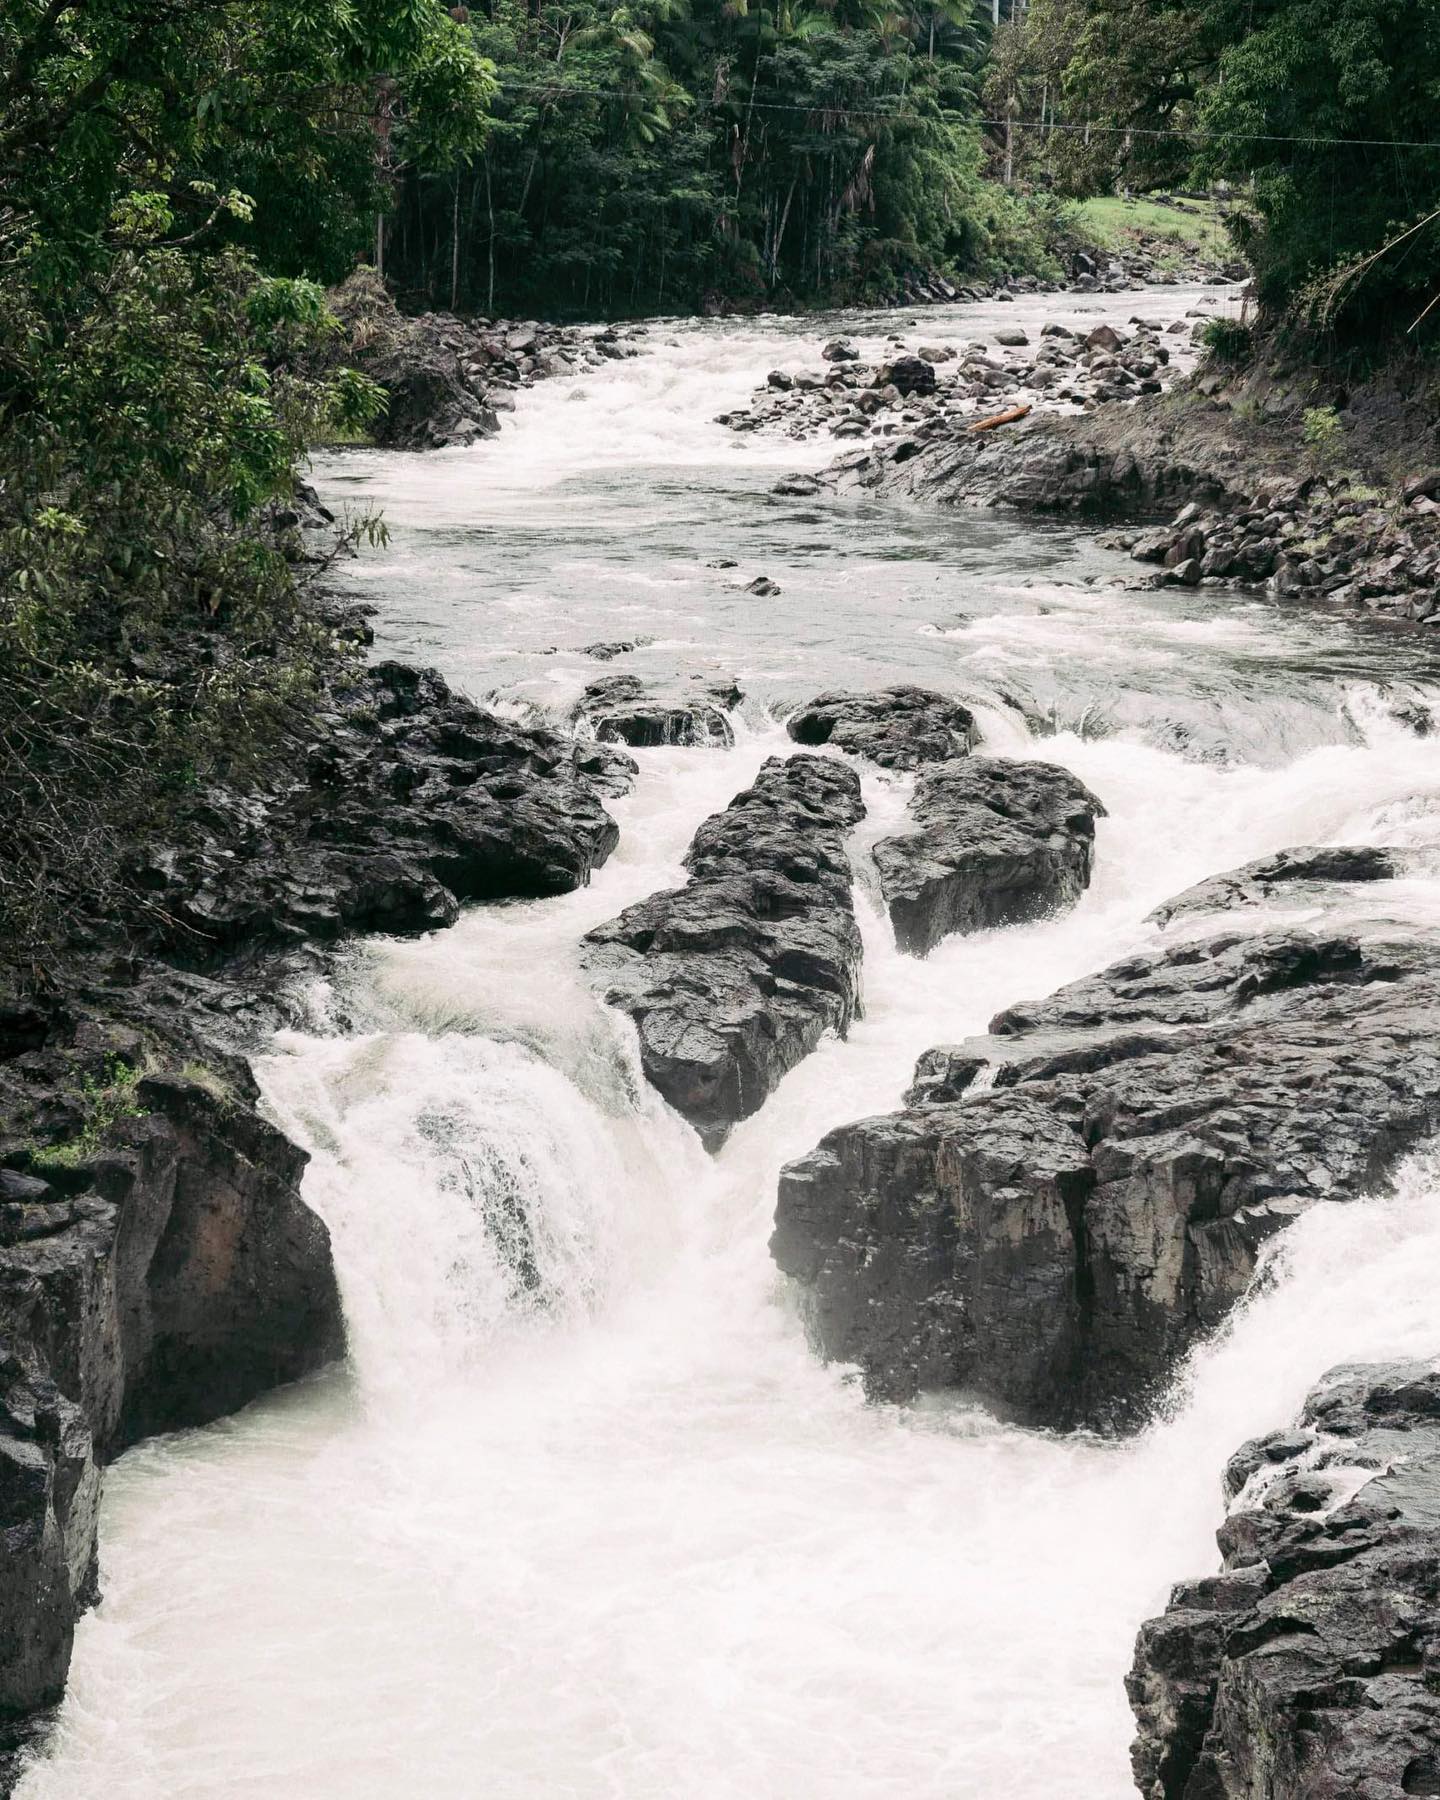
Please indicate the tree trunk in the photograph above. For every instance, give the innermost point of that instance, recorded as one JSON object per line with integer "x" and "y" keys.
{"x": 455, "y": 245}
{"x": 490, "y": 205}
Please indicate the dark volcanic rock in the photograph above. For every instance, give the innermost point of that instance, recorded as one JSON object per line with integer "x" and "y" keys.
{"x": 1056, "y": 1243}
{"x": 158, "y": 1267}
{"x": 622, "y": 709}
{"x": 1310, "y": 1669}
{"x": 995, "y": 843}
{"x": 943, "y": 1074}
{"x": 1274, "y": 877}
{"x": 413, "y": 801}
{"x": 163, "y": 1279}
{"x": 898, "y": 727}
{"x": 732, "y": 979}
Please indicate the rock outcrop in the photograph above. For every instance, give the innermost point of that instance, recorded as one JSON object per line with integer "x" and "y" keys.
{"x": 624, "y": 709}
{"x": 1057, "y": 1241}
{"x": 734, "y": 978}
{"x": 1309, "y": 1669}
{"x": 159, "y": 1278}
{"x": 995, "y": 843}
{"x": 411, "y": 803}
{"x": 447, "y": 380}
{"x": 897, "y": 727}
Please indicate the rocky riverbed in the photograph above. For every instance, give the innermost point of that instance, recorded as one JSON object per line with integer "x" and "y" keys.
{"x": 1214, "y": 475}
{"x": 749, "y": 874}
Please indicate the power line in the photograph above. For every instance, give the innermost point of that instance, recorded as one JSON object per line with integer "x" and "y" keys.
{"x": 559, "y": 91}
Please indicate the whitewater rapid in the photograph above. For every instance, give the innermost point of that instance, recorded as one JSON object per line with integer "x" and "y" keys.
{"x": 583, "y": 1516}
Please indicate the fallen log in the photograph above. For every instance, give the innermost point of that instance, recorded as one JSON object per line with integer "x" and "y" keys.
{"x": 1008, "y": 417}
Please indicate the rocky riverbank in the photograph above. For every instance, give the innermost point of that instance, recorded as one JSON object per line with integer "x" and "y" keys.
{"x": 1307, "y": 1669}
{"x": 1216, "y": 474}
{"x": 449, "y": 380}
{"x": 917, "y": 394}
{"x": 158, "y": 1265}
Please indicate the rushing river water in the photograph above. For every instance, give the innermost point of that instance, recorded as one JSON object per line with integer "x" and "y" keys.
{"x": 604, "y": 1526}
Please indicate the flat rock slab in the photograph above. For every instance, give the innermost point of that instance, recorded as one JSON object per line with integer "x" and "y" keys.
{"x": 1056, "y": 1242}
{"x": 695, "y": 713}
{"x": 734, "y": 978}
{"x": 1282, "y": 877}
{"x": 898, "y": 727}
{"x": 996, "y": 843}
{"x": 1308, "y": 1669}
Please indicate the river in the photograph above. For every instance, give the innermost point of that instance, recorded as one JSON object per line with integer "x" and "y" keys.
{"x": 583, "y": 1516}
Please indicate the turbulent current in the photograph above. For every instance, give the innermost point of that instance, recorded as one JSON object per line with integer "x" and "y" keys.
{"x": 583, "y": 1516}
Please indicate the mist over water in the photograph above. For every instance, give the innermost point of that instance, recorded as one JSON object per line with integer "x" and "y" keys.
{"x": 583, "y": 1516}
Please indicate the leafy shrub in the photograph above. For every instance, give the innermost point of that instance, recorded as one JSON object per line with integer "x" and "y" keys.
{"x": 1322, "y": 434}
{"x": 1227, "y": 340}
{"x": 104, "y": 1099}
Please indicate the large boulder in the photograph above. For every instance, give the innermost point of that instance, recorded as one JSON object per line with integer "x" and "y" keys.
{"x": 1056, "y": 1242}
{"x": 732, "y": 979}
{"x": 622, "y": 709}
{"x": 908, "y": 375}
{"x": 1309, "y": 1669}
{"x": 897, "y": 727}
{"x": 995, "y": 843}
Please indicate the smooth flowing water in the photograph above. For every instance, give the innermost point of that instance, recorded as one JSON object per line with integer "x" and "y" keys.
{"x": 584, "y": 1516}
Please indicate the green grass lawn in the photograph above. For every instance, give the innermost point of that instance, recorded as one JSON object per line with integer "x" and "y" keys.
{"x": 1192, "y": 223}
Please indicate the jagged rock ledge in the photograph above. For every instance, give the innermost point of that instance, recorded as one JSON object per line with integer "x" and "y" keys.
{"x": 1309, "y": 1669}
{"x": 1054, "y": 1243}
{"x": 158, "y": 1265}
{"x": 732, "y": 979}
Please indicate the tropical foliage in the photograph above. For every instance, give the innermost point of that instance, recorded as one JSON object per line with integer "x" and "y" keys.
{"x": 1321, "y": 111}
{"x": 166, "y": 169}
{"x": 645, "y": 154}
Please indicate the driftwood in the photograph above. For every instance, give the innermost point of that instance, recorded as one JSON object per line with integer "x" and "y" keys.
{"x": 1008, "y": 417}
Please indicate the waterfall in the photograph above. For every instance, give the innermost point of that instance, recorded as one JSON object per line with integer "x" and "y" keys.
{"x": 582, "y": 1515}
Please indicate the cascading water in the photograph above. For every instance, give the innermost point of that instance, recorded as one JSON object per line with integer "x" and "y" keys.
{"x": 584, "y": 1516}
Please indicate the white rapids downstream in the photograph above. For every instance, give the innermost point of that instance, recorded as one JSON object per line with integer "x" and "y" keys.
{"x": 583, "y": 1516}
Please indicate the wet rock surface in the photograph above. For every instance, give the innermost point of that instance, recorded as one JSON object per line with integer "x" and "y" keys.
{"x": 410, "y": 802}
{"x": 158, "y": 1274}
{"x": 1290, "y": 875}
{"x": 1056, "y": 1242}
{"x": 623, "y": 709}
{"x": 732, "y": 979}
{"x": 897, "y": 728}
{"x": 447, "y": 379}
{"x": 995, "y": 843}
{"x": 158, "y": 1266}
{"x": 1308, "y": 1669}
